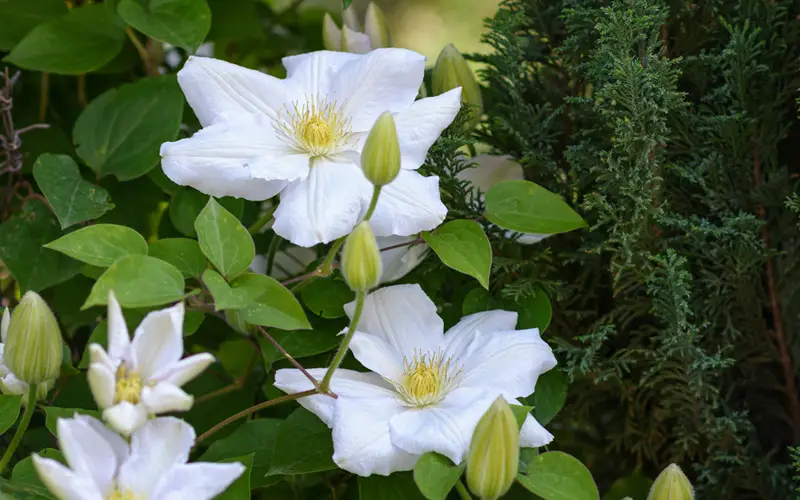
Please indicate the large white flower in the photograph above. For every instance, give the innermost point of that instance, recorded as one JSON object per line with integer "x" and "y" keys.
{"x": 137, "y": 379}
{"x": 302, "y": 137}
{"x": 427, "y": 389}
{"x": 102, "y": 466}
{"x": 9, "y": 383}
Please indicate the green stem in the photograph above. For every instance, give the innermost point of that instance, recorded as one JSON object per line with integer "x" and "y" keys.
{"x": 23, "y": 426}
{"x": 272, "y": 250}
{"x": 340, "y": 354}
{"x": 262, "y": 221}
{"x": 327, "y": 265}
{"x": 373, "y": 203}
{"x": 462, "y": 491}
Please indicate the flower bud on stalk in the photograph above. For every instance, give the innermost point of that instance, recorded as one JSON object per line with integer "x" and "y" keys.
{"x": 376, "y": 28}
{"x": 494, "y": 452}
{"x": 33, "y": 347}
{"x": 331, "y": 34}
{"x": 671, "y": 484}
{"x": 452, "y": 71}
{"x": 380, "y": 157}
{"x": 361, "y": 259}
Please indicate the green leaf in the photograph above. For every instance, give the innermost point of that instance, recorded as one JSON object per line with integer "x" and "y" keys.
{"x": 239, "y": 489}
{"x": 526, "y": 207}
{"x": 22, "y": 237}
{"x": 78, "y": 42}
{"x": 138, "y": 281}
{"x": 535, "y": 311}
{"x": 52, "y": 414}
{"x": 100, "y": 244}
{"x": 121, "y": 131}
{"x": 436, "y": 475}
{"x": 224, "y": 240}
{"x": 183, "y": 253}
{"x": 234, "y": 20}
{"x": 303, "y": 445}
{"x": 346, "y": 3}
{"x": 556, "y": 475}
{"x": 25, "y": 474}
{"x": 183, "y": 23}
{"x": 192, "y": 321}
{"x": 243, "y": 291}
{"x": 72, "y": 198}
{"x": 637, "y": 486}
{"x": 549, "y": 396}
{"x": 520, "y": 413}
{"x": 299, "y": 344}
{"x": 187, "y": 203}
{"x": 398, "y": 486}
{"x": 256, "y": 437}
{"x": 463, "y": 246}
{"x": 276, "y": 307}
{"x": 326, "y": 298}
{"x": 9, "y": 411}
{"x": 21, "y": 16}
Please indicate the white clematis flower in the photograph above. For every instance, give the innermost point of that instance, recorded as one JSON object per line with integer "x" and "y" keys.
{"x": 139, "y": 378}
{"x": 302, "y": 137}
{"x": 427, "y": 389}
{"x": 9, "y": 383}
{"x": 102, "y": 466}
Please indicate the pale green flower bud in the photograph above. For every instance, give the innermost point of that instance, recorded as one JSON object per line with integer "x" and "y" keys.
{"x": 376, "y": 28}
{"x": 361, "y": 259}
{"x": 494, "y": 452}
{"x": 331, "y": 34}
{"x": 33, "y": 347}
{"x": 380, "y": 157}
{"x": 350, "y": 19}
{"x": 452, "y": 71}
{"x": 671, "y": 484}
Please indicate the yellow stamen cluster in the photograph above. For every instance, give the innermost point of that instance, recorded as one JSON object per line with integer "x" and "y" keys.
{"x": 316, "y": 127}
{"x": 128, "y": 387}
{"x": 426, "y": 379}
{"x": 118, "y": 494}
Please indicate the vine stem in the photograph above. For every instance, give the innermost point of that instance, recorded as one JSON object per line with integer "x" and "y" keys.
{"x": 141, "y": 50}
{"x": 293, "y": 361}
{"x": 340, "y": 354}
{"x": 462, "y": 491}
{"x": 373, "y": 202}
{"x": 406, "y": 244}
{"x": 263, "y": 220}
{"x": 23, "y": 426}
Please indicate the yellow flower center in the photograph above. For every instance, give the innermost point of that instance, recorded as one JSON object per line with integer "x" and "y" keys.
{"x": 427, "y": 378}
{"x": 118, "y": 494}
{"x": 128, "y": 387}
{"x": 316, "y": 127}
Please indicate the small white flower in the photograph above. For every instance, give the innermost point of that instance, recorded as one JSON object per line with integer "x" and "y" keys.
{"x": 9, "y": 383}
{"x": 428, "y": 389}
{"x": 102, "y": 466}
{"x": 134, "y": 380}
{"x": 302, "y": 137}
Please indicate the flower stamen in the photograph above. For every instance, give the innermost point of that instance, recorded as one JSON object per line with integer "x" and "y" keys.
{"x": 315, "y": 127}
{"x": 427, "y": 378}
{"x": 126, "y": 494}
{"x": 128, "y": 387}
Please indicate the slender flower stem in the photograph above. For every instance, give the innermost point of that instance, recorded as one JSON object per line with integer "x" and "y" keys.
{"x": 23, "y": 426}
{"x": 406, "y": 244}
{"x": 373, "y": 202}
{"x": 263, "y": 220}
{"x": 293, "y": 361}
{"x": 326, "y": 381}
{"x": 327, "y": 265}
{"x": 462, "y": 491}
{"x": 141, "y": 50}
{"x": 272, "y": 250}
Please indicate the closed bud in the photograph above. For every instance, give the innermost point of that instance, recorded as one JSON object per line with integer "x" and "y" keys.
{"x": 361, "y": 259}
{"x": 494, "y": 452}
{"x": 376, "y": 28}
{"x": 671, "y": 484}
{"x": 380, "y": 157}
{"x": 33, "y": 347}
{"x": 354, "y": 42}
{"x": 331, "y": 34}
{"x": 452, "y": 71}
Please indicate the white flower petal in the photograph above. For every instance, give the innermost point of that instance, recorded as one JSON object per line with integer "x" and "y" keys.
{"x": 214, "y": 87}
{"x": 446, "y": 427}
{"x": 98, "y": 355}
{"x": 532, "y": 434}
{"x": 313, "y": 74}
{"x": 165, "y": 398}
{"x": 491, "y": 169}
{"x": 125, "y": 417}
{"x": 409, "y": 204}
{"x": 119, "y": 341}
{"x": 324, "y": 206}
{"x": 87, "y": 451}
{"x": 63, "y": 483}
{"x": 361, "y": 439}
{"x": 528, "y": 238}
{"x": 420, "y": 125}
{"x": 461, "y": 339}
{"x": 400, "y": 261}
{"x": 12, "y": 386}
{"x": 158, "y": 340}
{"x": 118, "y": 445}
{"x": 345, "y": 383}
{"x": 102, "y": 383}
{"x": 6, "y": 322}
{"x": 184, "y": 370}
{"x": 403, "y": 317}
{"x": 377, "y": 355}
{"x": 197, "y": 481}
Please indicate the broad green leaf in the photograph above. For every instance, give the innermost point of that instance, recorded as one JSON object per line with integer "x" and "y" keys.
{"x": 529, "y": 208}
{"x": 556, "y": 475}
{"x": 256, "y": 437}
{"x": 21, "y": 16}
{"x": 436, "y": 475}
{"x": 9, "y": 411}
{"x": 549, "y": 396}
{"x": 535, "y": 311}
{"x": 303, "y": 445}
{"x": 398, "y": 486}
{"x": 239, "y": 489}
{"x": 234, "y": 20}
{"x": 463, "y": 246}
{"x": 138, "y": 281}
{"x": 53, "y": 413}
{"x": 276, "y": 307}
{"x": 520, "y": 413}
{"x": 72, "y": 198}
{"x": 183, "y": 23}
{"x": 636, "y": 486}
{"x": 22, "y": 237}
{"x": 326, "y": 298}
{"x": 224, "y": 240}
{"x": 192, "y": 321}
{"x": 299, "y": 344}
{"x": 236, "y": 355}
{"x": 100, "y": 244}
{"x": 121, "y": 131}
{"x": 18, "y": 491}
{"x": 243, "y": 291}
{"x": 24, "y": 474}
{"x": 183, "y": 253}
{"x": 80, "y": 41}
{"x": 346, "y": 3}
{"x": 187, "y": 203}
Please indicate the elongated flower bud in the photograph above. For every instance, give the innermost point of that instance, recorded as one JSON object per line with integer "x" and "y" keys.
{"x": 380, "y": 157}
{"x": 361, "y": 259}
{"x": 33, "y": 349}
{"x": 376, "y": 28}
{"x": 671, "y": 484}
{"x": 452, "y": 71}
{"x": 331, "y": 34}
{"x": 494, "y": 453}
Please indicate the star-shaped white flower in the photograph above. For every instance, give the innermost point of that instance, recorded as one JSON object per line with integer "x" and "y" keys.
{"x": 427, "y": 389}
{"x": 102, "y": 466}
{"x": 137, "y": 379}
{"x": 302, "y": 137}
{"x": 9, "y": 383}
